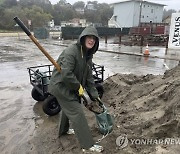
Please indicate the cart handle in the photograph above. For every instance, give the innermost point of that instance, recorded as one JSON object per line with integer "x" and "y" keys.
{"x": 26, "y": 30}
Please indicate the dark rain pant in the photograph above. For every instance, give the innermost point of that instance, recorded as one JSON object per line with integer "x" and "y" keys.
{"x": 72, "y": 110}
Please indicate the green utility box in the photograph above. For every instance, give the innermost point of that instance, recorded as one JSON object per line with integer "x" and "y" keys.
{"x": 41, "y": 33}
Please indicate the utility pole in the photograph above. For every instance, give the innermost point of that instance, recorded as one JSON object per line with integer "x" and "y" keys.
{"x": 140, "y": 12}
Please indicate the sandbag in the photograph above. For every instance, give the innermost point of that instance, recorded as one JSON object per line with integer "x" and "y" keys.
{"x": 104, "y": 121}
{"x": 103, "y": 118}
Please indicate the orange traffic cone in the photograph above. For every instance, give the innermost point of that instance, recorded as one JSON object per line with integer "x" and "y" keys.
{"x": 146, "y": 52}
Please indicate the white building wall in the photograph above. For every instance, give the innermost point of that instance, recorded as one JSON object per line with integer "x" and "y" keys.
{"x": 127, "y": 14}
{"x": 151, "y": 13}
{"x": 136, "y": 14}
{"x": 123, "y": 12}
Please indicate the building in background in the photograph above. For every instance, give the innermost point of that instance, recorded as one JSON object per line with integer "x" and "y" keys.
{"x": 167, "y": 20}
{"x": 76, "y": 22}
{"x": 133, "y": 13}
{"x": 51, "y": 24}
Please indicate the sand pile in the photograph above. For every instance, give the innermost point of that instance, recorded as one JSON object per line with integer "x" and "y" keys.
{"x": 145, "y": 107}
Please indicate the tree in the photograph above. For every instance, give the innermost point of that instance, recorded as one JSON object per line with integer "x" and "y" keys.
{"x": 26, "y": 3}
{"x": 1, "y": 2}
{"x": 38, "y": 17}
{"x": 101, "y": 13}
{"x": 62, "y": 2}
{"x": 36, "y": 14}
{"x": 10, "y": 3}
{"x": 105, "y": 13}
{"x": 79, "y": 4}
{"x": 8, "y": 15}
{"x": 167, "y": 13}
{"x": 63, "y": 12}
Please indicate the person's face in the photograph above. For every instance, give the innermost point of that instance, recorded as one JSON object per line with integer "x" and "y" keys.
{"x": 90, "y": 41}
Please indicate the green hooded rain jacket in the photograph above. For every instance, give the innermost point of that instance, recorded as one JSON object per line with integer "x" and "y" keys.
{"x": 76, "y": 69}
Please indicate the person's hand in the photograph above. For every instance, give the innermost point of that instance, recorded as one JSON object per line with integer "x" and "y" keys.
{"x": 81, "y": 90}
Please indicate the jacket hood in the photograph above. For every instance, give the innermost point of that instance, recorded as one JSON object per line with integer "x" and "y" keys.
{"x": 89, "y": 31}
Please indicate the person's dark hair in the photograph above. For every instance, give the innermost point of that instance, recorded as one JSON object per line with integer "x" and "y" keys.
{"x": 83, "y": 43}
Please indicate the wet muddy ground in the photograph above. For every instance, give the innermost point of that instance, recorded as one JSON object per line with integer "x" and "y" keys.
{"x": 24, "y": 127}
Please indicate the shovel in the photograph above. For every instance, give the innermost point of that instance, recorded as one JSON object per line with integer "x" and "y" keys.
{"x": 25, "y": 29}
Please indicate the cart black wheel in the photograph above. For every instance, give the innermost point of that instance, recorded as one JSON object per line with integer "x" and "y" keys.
{"x": 36, "y": 95}
{"x": 100, "y": 89}
{"x": 51, "y": 106}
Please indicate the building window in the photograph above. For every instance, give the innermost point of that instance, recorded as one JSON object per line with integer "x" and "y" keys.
{"x": 152, "y": 10}
{"x": 142, "y": 16}
{"x": 115, "y": 18}
{"x": 144, "y": 5}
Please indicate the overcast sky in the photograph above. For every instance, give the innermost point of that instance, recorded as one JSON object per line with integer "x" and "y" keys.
{"x": 171, "y": 4}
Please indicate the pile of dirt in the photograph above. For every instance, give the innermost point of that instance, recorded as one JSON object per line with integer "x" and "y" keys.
{"x": 144, "y": 108}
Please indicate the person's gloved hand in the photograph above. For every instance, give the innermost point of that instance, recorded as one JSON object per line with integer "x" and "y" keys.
{"x": 81, "y": 90}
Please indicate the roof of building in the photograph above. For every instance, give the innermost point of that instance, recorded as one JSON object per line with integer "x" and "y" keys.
{"x": 138, "y": 1}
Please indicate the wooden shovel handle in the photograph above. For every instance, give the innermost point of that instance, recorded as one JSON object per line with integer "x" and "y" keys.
{"x": 25, "y": 29}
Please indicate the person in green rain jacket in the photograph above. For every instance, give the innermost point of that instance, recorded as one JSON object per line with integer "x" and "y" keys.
{"x": 68, "y": 85}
